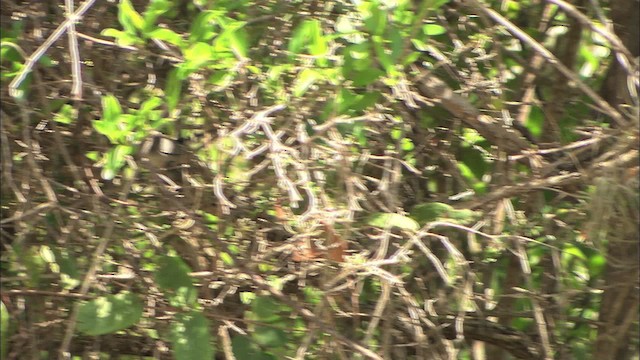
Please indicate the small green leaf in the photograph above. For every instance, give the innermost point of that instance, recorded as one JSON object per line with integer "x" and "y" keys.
{"x": 406, "y": 144}
{"x": 388, "y": 220}
{"x": 173, "y": 90}
{"x": 155, "y": 9}
{"x": 122, "y": 38}
{"x": 167, "y": 35}
{"x": 108, "y": 314}
{"x": 305, "y": 79}
{"x": 66, "y": 115}
{"x": 433, "y": 30}
{"x": 226, "y": 259}
{"x": 191, "y": 337}
{"x": 111, "y": 109}
{"x": 246, "y": 297}
{"x": 429, "y": 212}
{"x": 129, "y": 18}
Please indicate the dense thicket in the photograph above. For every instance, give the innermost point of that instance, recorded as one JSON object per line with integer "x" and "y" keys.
{"x": 320, "y": 179}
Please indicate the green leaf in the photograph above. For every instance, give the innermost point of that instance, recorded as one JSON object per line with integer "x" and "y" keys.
{"x": 305, "y": 79}
{"x": 115, "y": 160}
{"x": 202, "y": 28}
{"x": 173, "y": 90}
{"x": 266, "y": 309}
{"x": 383, "y": 57}
{"x": 111, "y": 109}
{"x": 155, "y": 9}
{"x": 269, "y": 337}
{"x": 198, "y": 55}
{"x": 435, "y": 211}
{"x": 244, "y": 349}
{"x": 535, "y": 121}
{"x": 246, "y": 297}
{"x": 388, "y": 220}
{"x": 365, "y": 78}
{"x": 191, "y": 338}
{"x": 226, "y": 259}
{"x": 474, "y": 160}
{"x": 433, "y": 30}
{"x": 108, "y": 314}
{"x": 129, "y": 18}
{"x": 375, "y": 18}
{"x": 66, "y": 115}
{"x": 167, "y": 35}
{"x": 173, "y": 278}
{"x": 302, "y": 35}
{"x": 239, "y": 41}
{"x": 4, "y": 330}
{"x": 122, "y": 38}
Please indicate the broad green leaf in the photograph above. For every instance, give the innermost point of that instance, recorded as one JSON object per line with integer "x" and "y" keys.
{"x": 173, "y": 278}
{"x": 167, "y": 35}
{"x": 388, "y": 220}
{"x": 305, "y": 79}
{"x": 108, "y": 314}
{"x": 129, "y": 18}
{"x": 191, "y": 337}
{"x": 433, "y": 30}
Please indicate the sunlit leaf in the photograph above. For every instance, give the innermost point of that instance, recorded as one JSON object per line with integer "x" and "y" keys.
{"x": 129, "y": 18}
{"x": 433, "y": 29}
{"x": 306, "y": 78}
